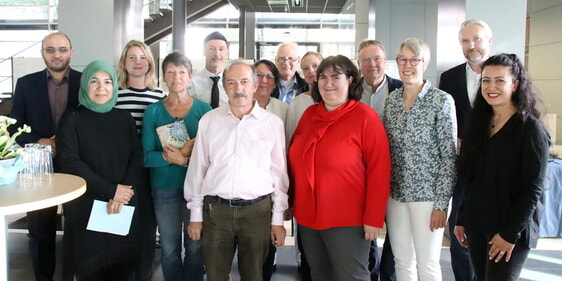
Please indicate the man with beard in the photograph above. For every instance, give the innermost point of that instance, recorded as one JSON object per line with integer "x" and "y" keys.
{"x": 206, "y": 85}
{"x": 39, "y": 101}
{"x": 462, "y": 82}
{"x": 236, "y": 183}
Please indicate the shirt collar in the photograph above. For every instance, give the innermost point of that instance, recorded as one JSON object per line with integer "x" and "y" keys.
{"x": 383, "y": 84}
{"x": 425, "y": 88}
{"x": 469, "y": 70}
{"x": 257, "y": 112}
{"x": 66, "y": 74}
{"x": 292, "y": 82}
{"x": 207, "y": 73}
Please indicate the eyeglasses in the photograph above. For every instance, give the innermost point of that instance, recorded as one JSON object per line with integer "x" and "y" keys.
{"x": 290, "y": 60}
{"x": 267, "y": 76}
{"x": 376, "y": 59}
{"x": 413, "y": 61}
{"x": 52, "y": 50}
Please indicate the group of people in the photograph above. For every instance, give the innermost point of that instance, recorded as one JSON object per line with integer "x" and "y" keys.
{"x": 344, "y": 150}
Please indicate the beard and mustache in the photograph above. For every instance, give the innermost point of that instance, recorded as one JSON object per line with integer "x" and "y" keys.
{"x": 56, "y": 68}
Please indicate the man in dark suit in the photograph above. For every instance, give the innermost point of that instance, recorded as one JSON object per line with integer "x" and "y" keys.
{"x": 462, "y": 82}
{"x": 39, "y": 101}
{"x": 371, "y": 58}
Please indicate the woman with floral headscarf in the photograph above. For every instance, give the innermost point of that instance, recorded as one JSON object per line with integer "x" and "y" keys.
{"x": 100, "y": 144}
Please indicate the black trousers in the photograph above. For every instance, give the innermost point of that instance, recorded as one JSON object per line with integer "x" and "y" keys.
{"x": 460, "y": 258}
{"x": 488, "y": 270}
{"x": 382, "y": 268}
{"x": 42, "y": 225}
{"x": 268, "y": 266}
{"x": 147, "y": 230}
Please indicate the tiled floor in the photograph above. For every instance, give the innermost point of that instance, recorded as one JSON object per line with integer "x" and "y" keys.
{"x": 544, "y": 263}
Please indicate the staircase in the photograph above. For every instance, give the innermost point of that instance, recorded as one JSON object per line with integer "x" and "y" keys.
{"x": 159, "y": 23}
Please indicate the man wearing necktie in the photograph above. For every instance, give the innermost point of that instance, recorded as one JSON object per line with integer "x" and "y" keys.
{"x": 206, "y": 84}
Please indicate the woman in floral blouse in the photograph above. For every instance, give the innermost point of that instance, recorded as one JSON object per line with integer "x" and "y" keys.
{"x": 421, "y": 126}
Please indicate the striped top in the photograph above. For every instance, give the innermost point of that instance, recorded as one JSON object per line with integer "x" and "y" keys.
{"x": 136, "y": 100}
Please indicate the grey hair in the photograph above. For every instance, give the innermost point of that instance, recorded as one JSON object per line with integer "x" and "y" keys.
{"x": 237, "y": 62}
{"x": 418, "y": 47}
{"x": 367, "y": 43}
{"x": 473, "y": 22}
{"x": 292, "y": 45}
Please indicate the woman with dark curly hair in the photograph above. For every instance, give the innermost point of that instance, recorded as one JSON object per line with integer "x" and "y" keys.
{"x": 340, "y": 166}
{"x": 502, "y": 161}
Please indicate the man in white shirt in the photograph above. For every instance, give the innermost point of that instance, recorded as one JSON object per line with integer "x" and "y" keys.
{"x": 287, "y": 62}
{"x": 201, "y": 87}
{"x": 462, "y": 82}
{"x": 236, "y": 183}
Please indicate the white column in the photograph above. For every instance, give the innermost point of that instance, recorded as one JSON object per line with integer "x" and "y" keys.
{"x": 508, "y": 29}
{"x": 100, "y": 29}
{"x": 364, "y": 21}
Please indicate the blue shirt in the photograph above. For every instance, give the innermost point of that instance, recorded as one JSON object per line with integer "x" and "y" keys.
{"x": 287, "y": 94}
{"x": 422, "y": 146}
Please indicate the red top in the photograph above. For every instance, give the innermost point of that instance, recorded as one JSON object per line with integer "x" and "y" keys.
{"x": 340, "y": 167}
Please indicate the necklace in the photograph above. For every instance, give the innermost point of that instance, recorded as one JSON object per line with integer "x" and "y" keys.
{"x": 501, "y": 120}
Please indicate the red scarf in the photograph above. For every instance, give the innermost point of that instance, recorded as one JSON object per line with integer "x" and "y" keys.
{"x": 322, "y": 120}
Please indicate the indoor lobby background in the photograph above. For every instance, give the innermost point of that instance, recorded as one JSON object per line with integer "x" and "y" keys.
{"x": 99, "y": 29}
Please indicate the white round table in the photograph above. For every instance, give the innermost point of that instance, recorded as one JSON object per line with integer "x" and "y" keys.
{"x": 19, "y": 197}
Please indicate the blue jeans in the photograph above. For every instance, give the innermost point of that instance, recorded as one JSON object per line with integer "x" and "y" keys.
{"x": 172, "y": 217}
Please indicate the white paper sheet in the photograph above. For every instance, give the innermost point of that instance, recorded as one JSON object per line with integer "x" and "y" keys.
{"x": 114, "y": 223}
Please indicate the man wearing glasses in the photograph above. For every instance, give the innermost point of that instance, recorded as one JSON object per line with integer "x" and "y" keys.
{"x": 39, "y": 101}
{"x": 287, "y": 62}
{"x": 371, "y": 58}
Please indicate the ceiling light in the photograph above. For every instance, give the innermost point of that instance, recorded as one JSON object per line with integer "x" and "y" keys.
{"x": 277, "y": 2}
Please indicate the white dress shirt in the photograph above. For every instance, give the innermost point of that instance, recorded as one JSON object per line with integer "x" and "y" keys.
{"x": 472, "y": 84}
{"x": 238, "y": 159}
{"x": 201, "y": 85}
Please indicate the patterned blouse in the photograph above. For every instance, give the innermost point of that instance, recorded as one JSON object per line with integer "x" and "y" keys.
{"x": 422, "y": 146}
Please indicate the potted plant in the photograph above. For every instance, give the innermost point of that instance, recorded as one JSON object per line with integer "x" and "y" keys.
{"x": 7, "y": 152}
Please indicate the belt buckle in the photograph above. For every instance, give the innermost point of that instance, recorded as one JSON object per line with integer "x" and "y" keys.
{"x": 233, "y": 206}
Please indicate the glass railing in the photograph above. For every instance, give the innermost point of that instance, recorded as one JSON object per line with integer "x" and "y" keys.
{"x": 152, "y": 7}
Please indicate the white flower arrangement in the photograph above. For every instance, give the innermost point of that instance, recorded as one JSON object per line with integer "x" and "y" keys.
{"x": 6, "y": 141}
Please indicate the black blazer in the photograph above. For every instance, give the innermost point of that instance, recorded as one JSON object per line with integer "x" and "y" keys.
{"x": 30, "y": 105}
{"x": 393, "y": 84}
{"x": 453, "y": 81}
{"x": 301, "y": 84}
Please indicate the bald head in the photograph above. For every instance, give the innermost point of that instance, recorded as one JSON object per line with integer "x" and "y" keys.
{"x": 287, "y": 60}
{"x": 56, "y": 51}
